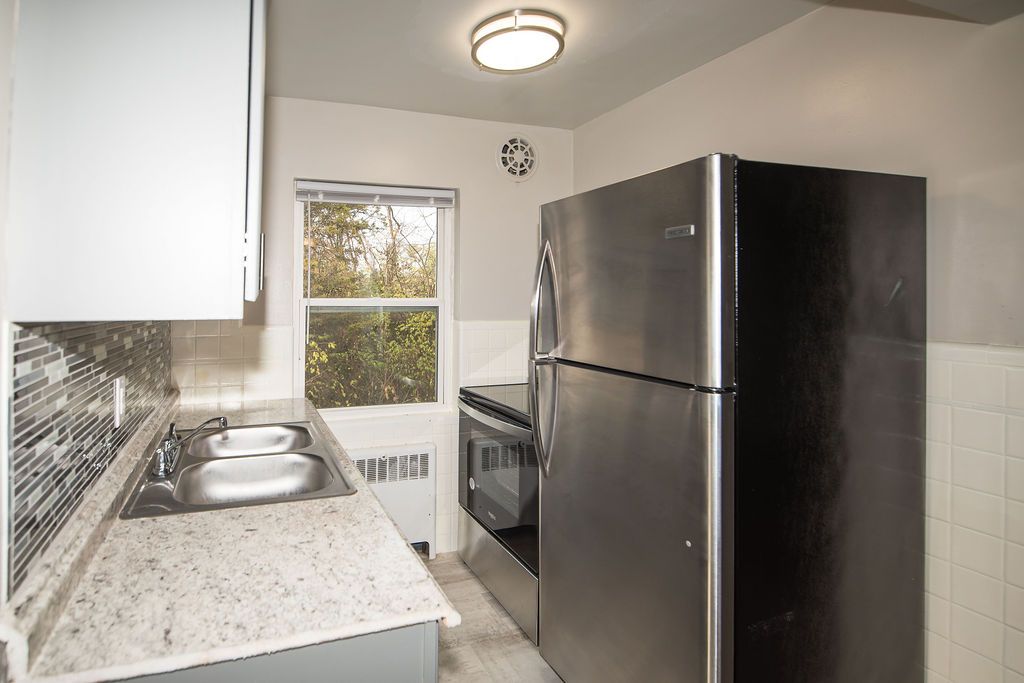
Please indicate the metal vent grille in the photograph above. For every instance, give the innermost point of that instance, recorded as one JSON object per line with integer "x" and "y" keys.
{"x": 503, "y": 457}
{"x": 517, "y": 158}
{"x": 405, "y": 467}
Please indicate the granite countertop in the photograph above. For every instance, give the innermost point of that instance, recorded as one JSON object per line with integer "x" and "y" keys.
{"x": 167, "y": 593}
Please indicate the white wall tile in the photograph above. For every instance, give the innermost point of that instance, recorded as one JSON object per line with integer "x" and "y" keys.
{"x": 967, "y": 666}
{"x": 979, "y": 511}
{"x": 1014, "y": 649}
{"x": 207, "y": 328}
{"x": 937, "y": 577}
{"x": 207, "y": 348}
{"x": 937, "y": 615}
{"x": 938, "y": 379}
{"x": 1015, "y": 522}
{"x": 939, "y": 422}
{"x": 936, "y": 651}
{"x": 183, "y": 328}
{"x": 974, "y": 383}
{"x": 978, "y": 470}
{"x": 1015, "y": 564}
{"x": 979, "y": 552}
{"x": 491, "y": 351}
{"x": 978, "y": 430}
{"x": 183, "y": 349}
{"x": 978, "y": 592}
{"x": 977, "y": 633}
{"x": 183, "y": 375}
{"x": 937, "y": 500}
{"x": 938, "y": 464}
{"x": 1015, "y": 436}
{"x": 1015, "y": 479}
{"x": 207, "y": 374}
{"x": 1015, "y": 607}
{"x": 1015, "y": 389}
{"x": 937, "y": 540}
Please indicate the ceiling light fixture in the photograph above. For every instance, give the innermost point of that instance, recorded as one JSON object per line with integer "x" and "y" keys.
{"x": 518, "y": 41}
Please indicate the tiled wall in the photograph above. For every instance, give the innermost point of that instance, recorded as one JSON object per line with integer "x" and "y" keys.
{"x": 225, "y": 361}
{"x": 975, "y": 577}
{"x": 62, "y": 434}
{"x": 492, "y": 351}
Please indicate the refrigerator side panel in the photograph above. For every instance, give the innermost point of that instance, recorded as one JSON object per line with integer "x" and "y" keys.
{"x": 639, "y": 276}
{"x": 829, "y": 465}
{"x": 627, "y": 544}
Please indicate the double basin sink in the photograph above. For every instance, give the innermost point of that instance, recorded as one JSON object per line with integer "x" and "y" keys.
{"x": 242, "y": 466}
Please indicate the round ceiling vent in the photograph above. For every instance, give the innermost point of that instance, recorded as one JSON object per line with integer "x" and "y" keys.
{"x": 517, "y": 157}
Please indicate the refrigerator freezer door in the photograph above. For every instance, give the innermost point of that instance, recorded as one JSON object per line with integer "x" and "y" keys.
{"x": 629, "y": 566}
{"x": 639, "y": 276}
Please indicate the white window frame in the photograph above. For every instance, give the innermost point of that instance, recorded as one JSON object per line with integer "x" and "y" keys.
{"x": 445, "y": 318}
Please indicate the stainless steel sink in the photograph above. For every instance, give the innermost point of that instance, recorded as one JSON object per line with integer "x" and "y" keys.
{"x": 253, "y": 440}
{"x": 252, "y": 478}
{"x": 242, "y": 466}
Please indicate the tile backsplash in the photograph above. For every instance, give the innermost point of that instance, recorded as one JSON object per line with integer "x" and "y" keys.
{"x": 492, "y": 351}
{"x": 62, "y": 418}
{"x": 975, "y": 514}
{"x": 226, "y": 361}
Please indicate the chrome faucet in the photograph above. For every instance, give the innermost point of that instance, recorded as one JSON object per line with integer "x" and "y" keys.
{"x": 169, "y": 451}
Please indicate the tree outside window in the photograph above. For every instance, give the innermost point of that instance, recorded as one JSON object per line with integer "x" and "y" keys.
{"x": 371, "y": 296}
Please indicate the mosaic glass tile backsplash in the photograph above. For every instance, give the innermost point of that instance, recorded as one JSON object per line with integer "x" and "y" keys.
{"x": 62, "y": 410}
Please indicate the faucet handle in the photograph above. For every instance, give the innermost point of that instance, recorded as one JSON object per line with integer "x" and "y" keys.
{"x": 171, "y": 433}
{"x": 161, "y": 467}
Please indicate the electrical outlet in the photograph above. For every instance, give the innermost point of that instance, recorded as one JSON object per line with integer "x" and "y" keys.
{"x": 118, "y": 401}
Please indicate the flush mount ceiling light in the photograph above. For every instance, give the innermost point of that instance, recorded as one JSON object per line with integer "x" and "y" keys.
{"x": 518, "y": 41}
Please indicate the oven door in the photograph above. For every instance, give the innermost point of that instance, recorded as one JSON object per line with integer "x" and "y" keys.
{"x": 498, "y": 479}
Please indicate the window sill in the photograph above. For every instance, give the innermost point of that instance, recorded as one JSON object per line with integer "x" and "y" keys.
{"x": 371, "y": 412}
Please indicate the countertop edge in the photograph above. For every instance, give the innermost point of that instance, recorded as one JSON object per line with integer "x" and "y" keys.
{"x": 229, "y": 654}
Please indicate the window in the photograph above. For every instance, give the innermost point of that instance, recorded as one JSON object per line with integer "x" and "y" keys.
{"x": 374, "y": 290}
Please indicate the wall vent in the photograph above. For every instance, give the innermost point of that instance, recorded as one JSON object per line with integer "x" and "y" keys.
{"x": 517, "y": 158}
{"x": 404, "y": 480}
{"x": 394, "y": 467}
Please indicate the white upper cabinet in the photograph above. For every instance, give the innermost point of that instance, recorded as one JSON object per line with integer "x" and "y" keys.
{"x": 131, "y": 155}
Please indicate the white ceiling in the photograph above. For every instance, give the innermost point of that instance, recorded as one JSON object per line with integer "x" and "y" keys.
{"x": 414, "y": 54}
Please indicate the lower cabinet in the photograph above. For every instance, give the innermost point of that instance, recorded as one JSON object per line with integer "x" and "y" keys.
{"x": 401, "y": 655}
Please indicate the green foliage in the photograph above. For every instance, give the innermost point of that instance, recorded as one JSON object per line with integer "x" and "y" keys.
{"x": 370, "y": 356}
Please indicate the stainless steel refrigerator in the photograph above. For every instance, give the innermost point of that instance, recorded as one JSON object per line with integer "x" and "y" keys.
{"x": 727, "y": 381}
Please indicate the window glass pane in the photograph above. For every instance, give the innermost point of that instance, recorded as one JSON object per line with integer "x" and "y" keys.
{"x": 360, "y": 250}
{"x": 371, "y": 356}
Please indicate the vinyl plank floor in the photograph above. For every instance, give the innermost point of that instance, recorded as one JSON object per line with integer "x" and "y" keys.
{"x": 488, "y": 645}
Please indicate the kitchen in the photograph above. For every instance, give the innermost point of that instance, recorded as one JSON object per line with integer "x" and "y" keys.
{"x": 394, "y": 215}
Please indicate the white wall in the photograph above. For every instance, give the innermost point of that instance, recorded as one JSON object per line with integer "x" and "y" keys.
{"x": 857, "y": 88}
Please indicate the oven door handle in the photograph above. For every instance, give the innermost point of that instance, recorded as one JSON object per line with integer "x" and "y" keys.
{"x": 495, "y": 423}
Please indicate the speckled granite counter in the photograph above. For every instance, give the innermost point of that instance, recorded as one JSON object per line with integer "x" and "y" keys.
{"x": 167, "y": 593}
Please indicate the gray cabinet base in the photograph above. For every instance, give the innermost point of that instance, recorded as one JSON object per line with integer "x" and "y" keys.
{"x": 402, "y": 655}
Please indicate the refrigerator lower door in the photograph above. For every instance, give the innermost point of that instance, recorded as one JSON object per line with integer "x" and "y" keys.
{"x": 631, "y": 538}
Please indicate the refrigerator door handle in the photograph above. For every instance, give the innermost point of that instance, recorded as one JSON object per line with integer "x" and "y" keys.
{"x": 545, "y": 265}
{"x": 541, "y": 442}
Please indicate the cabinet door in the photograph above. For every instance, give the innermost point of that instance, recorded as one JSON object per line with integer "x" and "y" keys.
{"x": 128, "y": 160}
